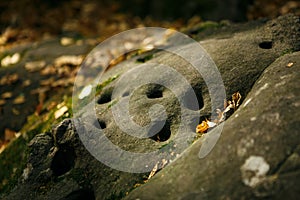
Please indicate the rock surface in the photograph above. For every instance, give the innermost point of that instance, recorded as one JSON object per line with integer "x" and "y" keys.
{"x": 257, "y": 155}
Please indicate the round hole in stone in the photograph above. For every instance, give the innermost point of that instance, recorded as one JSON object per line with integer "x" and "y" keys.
{"x": 125, "y": 94}
{"x": 155, "y": 91}
{"x": 105, "y": 96}
{"x": 266, "y": 45}
{"x": 190, "y": 102}
{"x": 100, "y": 124}
{"x": 81, "y": 194}
{"x": 164, "y": 134}
{"x": 63, "y": 161}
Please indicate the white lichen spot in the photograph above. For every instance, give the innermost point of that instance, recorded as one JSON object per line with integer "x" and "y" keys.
{"x": 86, "y": 91}
{"x": 27, "y": 171}
{"x": 236, "y": 115}
{"x": 265, "y": 86}
{"x": 273, "y": 118}
{"x": 296, "y": 104}
{"x": 247, "y": 102}
{"x": 285, "y": 76}
{"x": 244, "y": 145}
{"x": 252, "y": 119}
{"x": 280, "y": 83}
{"x": 254, "y": 170}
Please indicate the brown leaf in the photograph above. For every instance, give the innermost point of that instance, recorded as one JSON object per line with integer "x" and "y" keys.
{"x": 47, "y": 82}
{"x": 154, "y": 170}
{"x": 15, "y": 111}
{"x": 2, "y": 102}
{"x": 202, "y": 128}
{"x": 9, "y": 134}
{"x": 19, "y": 100}
{"x": 68, "y": 60}
{"x": 9, "y": 79}
{"x": 35, "y": 65}
{"x": 236, "y": 97}
{"x": 48, "y": 70}
{"x": 6, "y": 95}
{"x": 26, "y": 83}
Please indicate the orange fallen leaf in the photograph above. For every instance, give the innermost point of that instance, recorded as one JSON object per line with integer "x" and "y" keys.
{"x": 203, "y": 127}
{"x": 228, "y": 105}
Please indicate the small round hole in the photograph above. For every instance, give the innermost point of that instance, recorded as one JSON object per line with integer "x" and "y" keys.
{"x": 63, "y": 161}
{"x": 105, "y": 96}
{"x": 155, "y": 91}
{"x": 190, "y": 101}
{"x": 100, "y": 124}
{"x": 266, "y": 45}
{"x": 81, "y": 194}
{"x": 163, "y": 135}
{"x": 125, "y": 94}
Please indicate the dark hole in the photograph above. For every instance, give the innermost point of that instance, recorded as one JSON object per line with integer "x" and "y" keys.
{"x": 80, "y": 194}
{"x": 163, "y": 135}
{"x": 155, "y": 91}
{"x": 61, "y": 129}
{"x": 125, "y": 94}
{"x": 100, "y": 124}
{"x": 266, "y": 45}
{"x": 63, "y": 161}
{"x": 105, "y": 96}
{"x": 192, "y": 103}
{"x": 145, "y": 58}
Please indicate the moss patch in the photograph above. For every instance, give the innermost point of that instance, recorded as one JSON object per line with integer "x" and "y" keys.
{"x": 13, "y": 159}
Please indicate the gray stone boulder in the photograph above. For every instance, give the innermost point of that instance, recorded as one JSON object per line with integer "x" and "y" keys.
{"x": 256, "y": 156}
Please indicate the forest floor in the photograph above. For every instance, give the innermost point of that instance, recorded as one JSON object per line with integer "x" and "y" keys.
{"x": 24, "y": 23}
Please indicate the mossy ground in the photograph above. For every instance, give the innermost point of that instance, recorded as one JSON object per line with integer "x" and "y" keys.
{"x": 13, "y": 158}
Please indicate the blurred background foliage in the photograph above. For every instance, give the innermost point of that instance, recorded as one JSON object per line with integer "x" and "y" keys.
{"x": 35, "y": 18}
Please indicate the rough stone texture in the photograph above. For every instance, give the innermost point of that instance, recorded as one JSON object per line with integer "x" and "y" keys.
{"x": 257, "y": 155}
